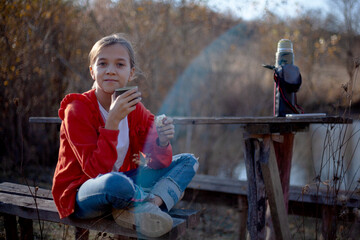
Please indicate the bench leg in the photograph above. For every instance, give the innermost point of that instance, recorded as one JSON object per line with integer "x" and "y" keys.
{"x": 81, "y": 233}
{"x": 329, "y": 222}
{"x": 243, "y": 209}
{"x": 10, "y": 226}
{"x": 26, "y": 229}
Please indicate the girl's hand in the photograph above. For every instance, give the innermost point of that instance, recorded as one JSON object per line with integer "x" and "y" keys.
{"x": 166, "y": 132}
{"x": 121, "y": 107}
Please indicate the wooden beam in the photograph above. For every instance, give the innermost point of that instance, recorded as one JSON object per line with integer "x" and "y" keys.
{"x": 243, "y": 211}
{"x": 56, "y": 120}
{"x": 230, "y": 120}
{"x": 256, "y": 189}
{"x": 274, "y": 191}
{"x": 225, "y": 188}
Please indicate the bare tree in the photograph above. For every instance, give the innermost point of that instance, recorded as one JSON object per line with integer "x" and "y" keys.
{"x": 349, "y": 26}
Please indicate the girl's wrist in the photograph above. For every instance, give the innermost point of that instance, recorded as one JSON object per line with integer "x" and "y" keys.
{"x": 162, "y": 144}
{"x": 111, "y": 125}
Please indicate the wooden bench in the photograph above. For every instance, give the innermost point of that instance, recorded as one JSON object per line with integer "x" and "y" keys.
{"x": 30, "y": 203}
{"x": 33, "y": 203}
{"x": 19, "y": 200}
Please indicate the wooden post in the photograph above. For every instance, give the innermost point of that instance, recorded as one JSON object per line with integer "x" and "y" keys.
{"x": 10, "y": 226}
{"x": 243, "y": 208}
{"x": 26, "y": 229}
{"x": 329, "y": 222}
{"x": 256, "y": 190}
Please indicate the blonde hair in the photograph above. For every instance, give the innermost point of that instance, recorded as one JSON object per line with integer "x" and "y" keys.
{"x": 112, "y": 39}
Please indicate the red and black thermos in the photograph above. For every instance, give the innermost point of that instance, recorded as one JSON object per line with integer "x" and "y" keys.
{"x": 287, "y": 79}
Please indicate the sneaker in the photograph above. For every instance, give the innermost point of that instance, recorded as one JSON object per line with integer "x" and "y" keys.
{"x": 146, "y": 218}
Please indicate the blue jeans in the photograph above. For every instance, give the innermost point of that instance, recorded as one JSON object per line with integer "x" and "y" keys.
{"x": 99, "y": 195}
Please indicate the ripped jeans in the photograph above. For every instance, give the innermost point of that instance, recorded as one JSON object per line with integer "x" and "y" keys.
{"x": 97, "y": 196}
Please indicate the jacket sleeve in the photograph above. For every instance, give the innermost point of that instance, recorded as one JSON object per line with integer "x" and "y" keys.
{"x": 159, "y": 157}
{"x": 93, "y": 146}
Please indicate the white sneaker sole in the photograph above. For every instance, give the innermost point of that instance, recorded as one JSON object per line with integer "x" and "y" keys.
{"x": 148, "y": 224}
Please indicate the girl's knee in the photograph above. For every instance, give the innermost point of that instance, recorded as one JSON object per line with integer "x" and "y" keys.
{"x": 118, "y": 183}
{"x": 187, "y": 159}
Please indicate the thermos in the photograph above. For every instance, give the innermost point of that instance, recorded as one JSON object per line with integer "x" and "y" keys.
{"x": 287, "y": 79}
{"x": 285, "y": 53}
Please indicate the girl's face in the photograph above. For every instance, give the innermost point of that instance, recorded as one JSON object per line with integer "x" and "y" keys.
{"x": 111, "y": 69}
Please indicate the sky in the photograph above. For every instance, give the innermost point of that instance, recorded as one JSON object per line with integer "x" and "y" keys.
{"x": 252, "y": 9}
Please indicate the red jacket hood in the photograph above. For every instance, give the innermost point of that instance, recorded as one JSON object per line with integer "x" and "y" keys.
{"x": 88, "y": 97}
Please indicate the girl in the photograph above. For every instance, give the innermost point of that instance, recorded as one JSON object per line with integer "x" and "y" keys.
{"x": 101, "y": 141}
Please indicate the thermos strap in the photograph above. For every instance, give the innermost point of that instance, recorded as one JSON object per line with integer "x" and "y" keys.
{"x": 295, "y": 108}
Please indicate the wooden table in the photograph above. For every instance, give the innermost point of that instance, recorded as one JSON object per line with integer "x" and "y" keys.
{"x": 268, "y": 146}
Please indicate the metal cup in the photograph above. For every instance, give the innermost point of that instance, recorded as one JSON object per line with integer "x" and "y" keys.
{"x": 120, "y": 91}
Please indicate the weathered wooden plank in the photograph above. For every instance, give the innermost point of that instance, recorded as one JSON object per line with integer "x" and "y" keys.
{"x": 212, "y": 183}
{"x": 256, "y": 192}
{"x": 230, "y": 120}
{"x": 311, "y": 195}
{"x": 307, "y": 194}
{"x": 56, "y": 120}
{"x": 207, "y": 184}
{"x": 8, "y": 187}
{"x": 259, "y": 120}
{"x": 307, "y": 204}
{"x": 249, "y": 160}
{"x": 28, "y": 207}
{"x": 260, "y": 189}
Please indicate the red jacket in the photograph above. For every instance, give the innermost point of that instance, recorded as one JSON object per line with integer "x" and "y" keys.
{"x": 87, "y": 149}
